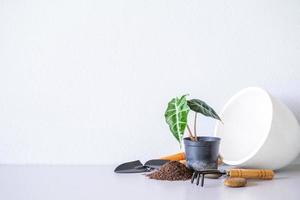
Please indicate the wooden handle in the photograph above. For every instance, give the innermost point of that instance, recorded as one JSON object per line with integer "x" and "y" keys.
{"x": 252, "y": 173}
{"x": 174, "y": 157}
{"x": 183, "y": 162}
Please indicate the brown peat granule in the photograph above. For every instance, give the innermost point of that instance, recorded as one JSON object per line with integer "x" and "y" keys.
{"x": 172, "y": 171}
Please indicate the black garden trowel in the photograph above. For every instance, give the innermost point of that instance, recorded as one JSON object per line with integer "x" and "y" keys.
{"x": 137, "y": 167}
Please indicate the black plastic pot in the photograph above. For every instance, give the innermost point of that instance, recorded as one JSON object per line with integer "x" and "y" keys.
{"x": 203, "y": 153}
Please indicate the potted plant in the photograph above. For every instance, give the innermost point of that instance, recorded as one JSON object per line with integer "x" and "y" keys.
{"x": 201, "y": 152}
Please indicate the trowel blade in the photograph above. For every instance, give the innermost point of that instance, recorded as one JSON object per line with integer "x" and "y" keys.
{"x": 131, "y": 167}
{"x": 156, "y": 163}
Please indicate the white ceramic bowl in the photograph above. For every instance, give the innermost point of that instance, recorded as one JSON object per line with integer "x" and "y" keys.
{"x": 258, "y": 131}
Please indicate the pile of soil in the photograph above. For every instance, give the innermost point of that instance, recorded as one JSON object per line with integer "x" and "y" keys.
{"x": 172, "y": 171}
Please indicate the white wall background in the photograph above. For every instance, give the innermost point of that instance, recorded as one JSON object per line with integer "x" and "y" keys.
{"x": 88, "y": 81}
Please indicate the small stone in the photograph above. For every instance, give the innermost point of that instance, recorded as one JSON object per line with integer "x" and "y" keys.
{"x": 235, "y": 182}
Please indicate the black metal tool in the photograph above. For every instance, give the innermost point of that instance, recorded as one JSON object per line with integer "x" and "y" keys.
{"x": 201, "y": 174}
{"x": 137, "y": 167}
{"x": 265, "y": 174}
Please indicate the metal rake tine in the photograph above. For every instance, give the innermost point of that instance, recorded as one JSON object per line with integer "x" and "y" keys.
{"x": 194, "y": 176}
{"x": 198, "y": 178}
{"x": 202, "y": 180}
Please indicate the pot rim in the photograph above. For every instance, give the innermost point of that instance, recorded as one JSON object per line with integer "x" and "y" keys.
{"x": 204, "y": 138}
{"x": 202, "y": 141}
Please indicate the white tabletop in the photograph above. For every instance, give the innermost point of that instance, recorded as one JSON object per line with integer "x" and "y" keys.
{"x": 39, "y": 182}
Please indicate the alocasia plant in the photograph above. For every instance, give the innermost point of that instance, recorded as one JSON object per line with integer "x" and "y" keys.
{"x": 201, "y": 107}
{"x": 177, "y": 115}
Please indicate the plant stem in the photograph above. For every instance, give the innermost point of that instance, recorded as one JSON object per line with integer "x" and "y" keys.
{"x": 195, "y": 126}
{"x": 190, "y": 133}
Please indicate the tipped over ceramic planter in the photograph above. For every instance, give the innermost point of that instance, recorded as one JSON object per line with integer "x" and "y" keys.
{"x": 258, "y": 131}
{"x": 203, "y": 153}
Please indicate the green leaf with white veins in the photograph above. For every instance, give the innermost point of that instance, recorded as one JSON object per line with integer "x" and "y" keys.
{"x": 201, "y": 107}
{"x": 176, "y": 116}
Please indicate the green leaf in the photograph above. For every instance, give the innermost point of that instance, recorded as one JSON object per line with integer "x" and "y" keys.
{"x": 201, "y": 107}
{"x": 176, "y": 116}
